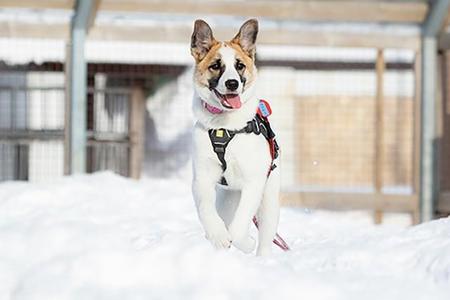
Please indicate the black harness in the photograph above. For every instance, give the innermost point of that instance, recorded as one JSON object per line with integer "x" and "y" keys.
{"x": 220, "y": 138}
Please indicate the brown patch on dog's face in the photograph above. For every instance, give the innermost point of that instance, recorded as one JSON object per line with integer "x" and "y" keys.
{"x": 210, "y": 68}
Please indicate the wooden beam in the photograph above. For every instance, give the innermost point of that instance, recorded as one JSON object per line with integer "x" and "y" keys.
{"x": 136, "y": 132}
{"x": 67, "y": 72}
{"x": 447, "y": 20}
{"x": 444, "y": 41}
{"x": 379, "y": 130}
{"x": 436, "y": 18}
{"x": 38, "y": 4}
{"x": 29, "y": 30}
{"x": 93, "y": 15}
{"x": 371, "y": 11}
{"x": 350, "y": 11}
{"x": 31, "y": 135}
{"x": 350, "y": 201}
{"x": 181, "y": 34}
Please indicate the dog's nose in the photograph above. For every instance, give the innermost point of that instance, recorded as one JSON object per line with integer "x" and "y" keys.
{"x": 232, "y": 84}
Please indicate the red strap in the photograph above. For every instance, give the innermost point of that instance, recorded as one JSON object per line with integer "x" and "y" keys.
{"x": 272, "y": 148}
{"x": 278, "y": 240}
{"x": 264, "y": 110}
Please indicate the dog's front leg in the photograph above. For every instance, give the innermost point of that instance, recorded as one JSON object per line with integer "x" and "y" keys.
{"x": 250, "y": 200}
{"x": 204, "y": 192}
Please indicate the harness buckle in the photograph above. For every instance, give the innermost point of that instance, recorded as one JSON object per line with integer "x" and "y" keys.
{"x": 219, "y": 133}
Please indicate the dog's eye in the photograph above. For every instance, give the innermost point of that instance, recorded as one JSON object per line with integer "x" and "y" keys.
{"x": 240, "y": 66}
{"x": 215, "y": 66}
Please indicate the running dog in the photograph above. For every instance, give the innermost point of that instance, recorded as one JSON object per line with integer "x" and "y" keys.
{"x": 236, "y": 169}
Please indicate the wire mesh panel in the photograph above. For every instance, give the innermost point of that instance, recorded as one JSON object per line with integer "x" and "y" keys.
{"x": 110, "y": 117}
{"x": 325, "y": 112}
{"x": 112, "y": 156}
{"x": 398, "y": 127}
{"x": 13, "y": 161}
{"x": 336, "y": 126}
{"x": 108, "y": 147}
{"x": 31, "y": 125}
{"x": 111, "y": 111}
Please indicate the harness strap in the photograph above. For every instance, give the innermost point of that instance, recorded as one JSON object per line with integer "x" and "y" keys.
{"x": 220, "y": 138}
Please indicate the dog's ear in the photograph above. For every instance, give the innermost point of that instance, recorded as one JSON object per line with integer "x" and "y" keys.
{"x": 202, "y": 40}
{"x": 246, "y": 37}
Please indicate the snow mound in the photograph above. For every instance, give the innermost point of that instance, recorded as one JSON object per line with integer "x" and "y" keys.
{"x": 102, "y": 236}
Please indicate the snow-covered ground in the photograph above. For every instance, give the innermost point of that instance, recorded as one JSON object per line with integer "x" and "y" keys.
{"x": 106, "y": 237}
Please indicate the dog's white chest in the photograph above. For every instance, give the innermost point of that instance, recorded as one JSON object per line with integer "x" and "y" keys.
{"x": 247, "y": 157}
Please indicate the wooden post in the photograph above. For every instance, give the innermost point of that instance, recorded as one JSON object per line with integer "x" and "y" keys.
{"x": 417, "y": 134}
{"x": 136, "y": 132}
{"x": 439, "y": 123}
{"x": 67, "y": 149}
{"x": 379, "y": 127}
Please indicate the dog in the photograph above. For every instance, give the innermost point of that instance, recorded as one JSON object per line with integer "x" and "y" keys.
{"x": 224, "y": 81}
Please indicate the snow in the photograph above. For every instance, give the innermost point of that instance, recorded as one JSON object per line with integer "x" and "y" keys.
{"x": 102, "y": 236}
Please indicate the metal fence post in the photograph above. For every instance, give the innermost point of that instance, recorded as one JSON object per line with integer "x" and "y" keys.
{"x": 431, "y": 28}
{"x": 76, "y": 85}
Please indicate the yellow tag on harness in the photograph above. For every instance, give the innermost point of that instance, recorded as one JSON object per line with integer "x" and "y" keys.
{"x": 219, "y": 133}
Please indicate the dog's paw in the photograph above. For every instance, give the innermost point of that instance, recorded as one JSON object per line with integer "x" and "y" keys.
{"x": 218, "y": 235}
{"x": 246, "y": 244}
{"x": 241, "y": 239}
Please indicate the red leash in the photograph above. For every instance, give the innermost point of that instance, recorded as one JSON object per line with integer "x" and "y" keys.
{"x": 278, "y": 240}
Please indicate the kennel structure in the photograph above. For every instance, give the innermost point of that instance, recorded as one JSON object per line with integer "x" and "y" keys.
{"x": 33, "y": 123}
{"x": 359, "y": 91}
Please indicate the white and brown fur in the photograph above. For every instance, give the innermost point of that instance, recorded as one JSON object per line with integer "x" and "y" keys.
{"x": 226, "y": 212}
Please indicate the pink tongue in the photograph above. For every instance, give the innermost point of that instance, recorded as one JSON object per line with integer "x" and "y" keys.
{"x": 234, "y": 101}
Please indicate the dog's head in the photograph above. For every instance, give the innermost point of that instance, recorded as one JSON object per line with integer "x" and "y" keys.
{"x": 224, "y": 70}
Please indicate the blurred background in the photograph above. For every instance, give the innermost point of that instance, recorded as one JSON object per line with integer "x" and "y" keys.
{"x": 358, "y": 90}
